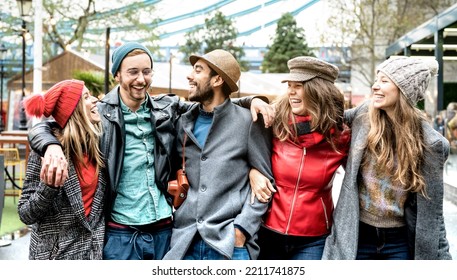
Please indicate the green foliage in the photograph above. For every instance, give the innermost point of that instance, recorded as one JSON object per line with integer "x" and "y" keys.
{"x": 289, "y": 42}
{"x": 10, "y": 220}
{"x": 193, "y": 44}
{"x": 218, "y": 32}
{"x": 94, "y": 81}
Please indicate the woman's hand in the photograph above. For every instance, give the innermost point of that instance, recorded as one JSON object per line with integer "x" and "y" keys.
{"x": 268, "y": 111}
{"x": 261, "y": 187}
{"x": 54, "y": 169}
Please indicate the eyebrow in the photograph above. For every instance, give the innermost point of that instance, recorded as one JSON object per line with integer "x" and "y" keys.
{"x": 198, "y": 67}
{"x": 137, "y": 68}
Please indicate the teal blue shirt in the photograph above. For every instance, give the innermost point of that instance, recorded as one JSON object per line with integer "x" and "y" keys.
{"x": 138, "y": 200}
{"x": 202, "y": 126}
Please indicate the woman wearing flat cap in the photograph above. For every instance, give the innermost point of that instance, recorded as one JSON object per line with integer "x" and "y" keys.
{"x": 391, "y": 201}
{"x": 310, "y": 143}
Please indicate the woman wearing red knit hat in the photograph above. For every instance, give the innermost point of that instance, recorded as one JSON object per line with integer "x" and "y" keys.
{"x": 67, "y": 221}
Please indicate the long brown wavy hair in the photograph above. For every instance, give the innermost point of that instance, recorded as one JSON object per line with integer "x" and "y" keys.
{"x": 81, "y": 137}
{"x": 325, "y": 105}
{"x": 398, "y": 144}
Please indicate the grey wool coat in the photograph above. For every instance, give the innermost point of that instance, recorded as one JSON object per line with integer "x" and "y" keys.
{"x": 219, "y": 194}
{"x": 424, "y": 217}
{"x": 60, "y": 229}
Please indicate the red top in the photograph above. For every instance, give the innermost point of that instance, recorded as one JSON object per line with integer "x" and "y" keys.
{"x": 302, "y": 205}
{"x": 88, "y": 180}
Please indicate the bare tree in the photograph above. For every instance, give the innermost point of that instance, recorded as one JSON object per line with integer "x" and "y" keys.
{"x": 82, "y": 24}
{"x": 369, "y": 26}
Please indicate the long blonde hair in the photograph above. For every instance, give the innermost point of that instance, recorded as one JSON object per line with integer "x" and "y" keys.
{"x": 325, "y": 105}
{"x": 81, "y": 137}
{"x": 398, "y": 144}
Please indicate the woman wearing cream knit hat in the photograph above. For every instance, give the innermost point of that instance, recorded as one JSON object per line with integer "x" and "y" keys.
{"x": 391, "y": 200}
{"x": 67, "y": 221}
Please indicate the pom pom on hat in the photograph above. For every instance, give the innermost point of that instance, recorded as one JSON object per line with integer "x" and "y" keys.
{"x": 410, "y": 75}
{"x": 59, "y": 101}
{"x": 34, "y": 105}
{"x": 432, "y": 65}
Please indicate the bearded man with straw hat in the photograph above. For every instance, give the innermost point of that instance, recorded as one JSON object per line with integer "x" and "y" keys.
{"x": 217, "y": 220}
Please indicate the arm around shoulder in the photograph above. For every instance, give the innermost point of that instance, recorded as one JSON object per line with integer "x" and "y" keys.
{"x": 40, "y": 137}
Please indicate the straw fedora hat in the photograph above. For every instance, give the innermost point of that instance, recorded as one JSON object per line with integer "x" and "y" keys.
{"x": 224, "y": 64}
{"x": 305, "y": 68}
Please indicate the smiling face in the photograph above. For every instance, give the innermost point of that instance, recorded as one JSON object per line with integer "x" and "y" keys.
{"x": 200, "y": 89}
{"x": 385, "y": 94}
{"x": 90, "y": 106}
{"x": 296, "y": 92}
{"x": 134, "y": 77}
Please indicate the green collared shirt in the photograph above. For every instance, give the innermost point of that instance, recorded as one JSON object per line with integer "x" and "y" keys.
{"x": 138, "y": 200}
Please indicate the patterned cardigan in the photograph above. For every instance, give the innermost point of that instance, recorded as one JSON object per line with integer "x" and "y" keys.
{"x": 60, "y": 229}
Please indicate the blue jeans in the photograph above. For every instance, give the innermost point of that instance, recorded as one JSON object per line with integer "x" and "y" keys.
{"x": 199, "y": 250}
{"x": 382, "y": 243}
{"x": 133, "y": 244}
{"x": 276, "y": 246}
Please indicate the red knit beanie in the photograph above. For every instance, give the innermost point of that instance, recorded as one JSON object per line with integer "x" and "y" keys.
{"x": 59, "y": 101}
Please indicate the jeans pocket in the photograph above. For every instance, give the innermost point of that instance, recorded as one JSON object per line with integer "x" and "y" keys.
{"x": 240, "y": 253}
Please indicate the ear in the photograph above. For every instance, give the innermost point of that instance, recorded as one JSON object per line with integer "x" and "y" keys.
{"x": 117, "y": 77}
{"x": 218, "y": 81}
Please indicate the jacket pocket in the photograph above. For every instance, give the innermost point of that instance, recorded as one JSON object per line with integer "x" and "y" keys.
{"x": 327, "y": 223}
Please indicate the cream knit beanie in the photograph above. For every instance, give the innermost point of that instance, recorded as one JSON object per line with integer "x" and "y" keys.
{"x": 411, "y": 75}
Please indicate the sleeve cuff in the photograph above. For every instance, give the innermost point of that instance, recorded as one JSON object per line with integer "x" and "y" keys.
{"x": 246, "y": 234}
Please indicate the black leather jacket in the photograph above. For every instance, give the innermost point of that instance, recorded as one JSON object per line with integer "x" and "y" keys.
{"x": 166, "y": 109}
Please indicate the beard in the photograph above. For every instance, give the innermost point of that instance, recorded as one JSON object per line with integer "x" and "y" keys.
{"x": 202, "y": 93}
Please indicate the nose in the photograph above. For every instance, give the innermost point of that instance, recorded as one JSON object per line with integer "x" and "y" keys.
{"x": 375, "y": 86}
{"x": 94, "y": 100}
{"x": 141, "y": 76}
{"x": 291, "y": 91}
{"x": 190, "y": 76}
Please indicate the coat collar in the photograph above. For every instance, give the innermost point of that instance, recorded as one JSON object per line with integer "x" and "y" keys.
{"x": 188, "y": 119}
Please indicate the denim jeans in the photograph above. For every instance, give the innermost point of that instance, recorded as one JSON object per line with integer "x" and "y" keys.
{"x": 382, "y": 243}
{"x": 132, "y": 244}
{"x": 199, "y": 250}
{"x": 276, "y": 246}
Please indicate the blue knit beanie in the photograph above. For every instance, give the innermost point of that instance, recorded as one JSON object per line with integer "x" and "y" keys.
{"x": 121, "y": 52}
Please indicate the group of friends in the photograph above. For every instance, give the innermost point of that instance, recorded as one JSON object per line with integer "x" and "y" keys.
{"x": 260, "y": 174}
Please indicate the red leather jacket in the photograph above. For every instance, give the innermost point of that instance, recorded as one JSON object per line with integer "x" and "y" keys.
{"x": 303, "y": 205}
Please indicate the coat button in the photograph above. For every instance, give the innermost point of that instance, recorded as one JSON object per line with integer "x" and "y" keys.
{"x": 203, "y": 188}
{"x": 200, "y": 220}
{"x": 204, "y": 158}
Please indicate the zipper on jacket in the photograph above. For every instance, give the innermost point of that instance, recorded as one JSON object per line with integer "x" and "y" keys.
{"x": 296, "y": 190}
{"x": 325, "y": 213}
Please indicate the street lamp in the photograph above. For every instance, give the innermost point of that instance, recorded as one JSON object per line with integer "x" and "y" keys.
{"x": 170, "y": 72}
{"x": 2, "y": 58}
{"x": 24, "y": 9}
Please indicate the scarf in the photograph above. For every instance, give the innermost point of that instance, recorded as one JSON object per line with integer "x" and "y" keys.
{"x": 305, "y": 137}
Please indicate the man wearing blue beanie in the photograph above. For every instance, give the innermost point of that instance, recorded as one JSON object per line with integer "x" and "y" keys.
{"x": 138, "y": 139}
{"x": 138, "y": 143}
{"x": 121, "y": 52}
